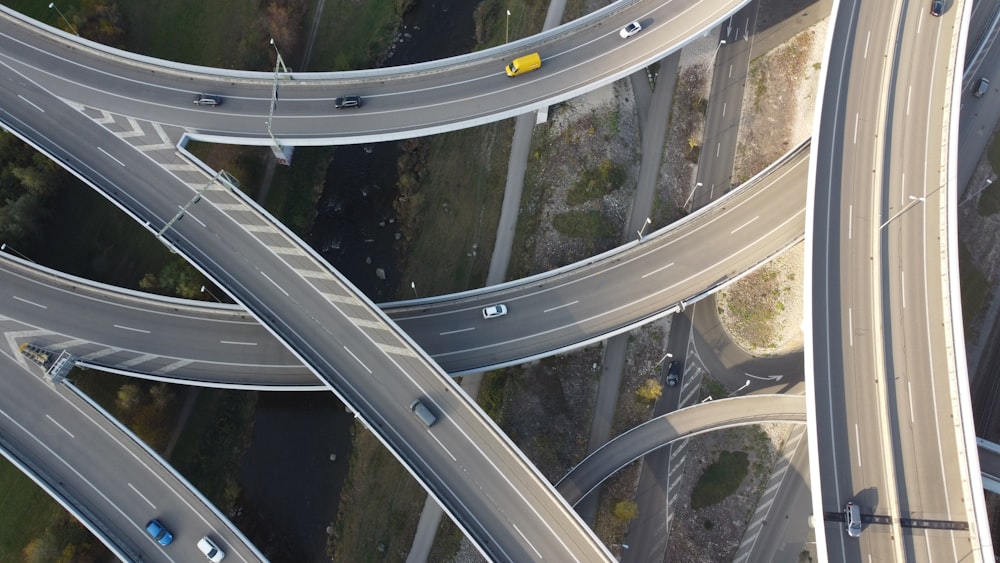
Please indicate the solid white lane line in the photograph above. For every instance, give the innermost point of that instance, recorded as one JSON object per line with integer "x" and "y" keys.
{"x": 132, "y": 329}
{"x": 868, "y": 40}
{"x": 656, "y": 271}
{"x": 275, "y": 284}
{"x": 238, "y": 343}
{"x": 30, "y": 103}
{"x": 909, "y": 397}
{"x": 857, "y": 443}
{"x": 850, "y": 327}
{"x": 446, "y": 450}
{"x": 142, "y": 496}
{"x": 734, "y": 231}
{"x": 61, "y": 427}
{"x": 526, "y": 540}
{"x": 196, "y": 220}
{"x": 446, "y": 333}
{"x": 357, "y": 359}
{"x": 902, "y": 288}
{"x": 106, "y": 153}
{"x": 22, "y": 300}
{"x": 557, "y": 307}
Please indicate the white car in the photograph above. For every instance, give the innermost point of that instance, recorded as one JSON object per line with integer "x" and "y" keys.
{"x": 494, "y": 311}
{"x": 630, "y": 30}
{"x": 211, "y": 550}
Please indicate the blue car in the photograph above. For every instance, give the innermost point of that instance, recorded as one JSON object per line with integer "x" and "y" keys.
{"x": 159, "y": 533}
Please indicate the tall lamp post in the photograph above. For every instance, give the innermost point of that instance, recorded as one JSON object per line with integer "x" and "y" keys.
{"x": 914, "y": 200}
{"x": 5, "y": 247}
{"x": 52, "y": 6}
{"x": 691, "y": 195}
{"x": 644, "y": 225}
{"x": 506, "y": 36}
{"x": 279, "y": 63}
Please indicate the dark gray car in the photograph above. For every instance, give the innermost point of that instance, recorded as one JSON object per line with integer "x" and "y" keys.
{"x": 207, "y": 100}
{"x": 347, "y": 102}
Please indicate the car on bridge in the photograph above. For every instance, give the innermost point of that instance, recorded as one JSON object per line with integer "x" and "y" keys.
{"x": 159, "y": 532}
{"x": 207, "y": 100}
{"x": 346, "y": 102}
{"x": 630, "y": 30}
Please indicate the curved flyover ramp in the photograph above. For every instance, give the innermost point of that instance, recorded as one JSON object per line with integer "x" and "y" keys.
{"x": 663, "y": 430}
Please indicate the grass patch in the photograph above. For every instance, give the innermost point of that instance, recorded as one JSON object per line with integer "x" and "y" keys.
{"x": 451, "y": 214}
{"x": 25, "y": 512}
{"x": 380, "y": 504}
{"x": 975, "y": 286}
{"x": 993, "y": 153}
{"x": 720, "y": 479}
{"x": 594, "y": 183}
{"x": 211, "y": 459}
{"x": 588, "y": 224}
{"x": 492, "y": 391}
{"x": 447, "y": 541}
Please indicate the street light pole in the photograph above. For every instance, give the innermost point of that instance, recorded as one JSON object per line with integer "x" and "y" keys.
{"x": 52, "y": 6}
{"x": 668, "y": 355}
{"x": 644, "y": 225}
{"x": 691, "y": 195}
{"x": 915, "y": 200}
{"x": 209, "y": 291}
{"x": 721, "y": 43}
{"x": 279, "y": 63}
{"x": 506, "y": 35}
{"x": 13, "y": 250}
{"x": 977, "y": 192}
{"x": 413, "y": 286}
{"x": 745, "y": 385}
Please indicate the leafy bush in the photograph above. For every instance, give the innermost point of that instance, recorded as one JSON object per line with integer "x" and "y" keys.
{"x": 720, "y": 479}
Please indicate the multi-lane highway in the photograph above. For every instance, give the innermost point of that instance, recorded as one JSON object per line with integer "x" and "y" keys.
{"x": 180, "y": 341}
{"x": 888, "y": 404}
{"x": 399, "y": 102}
{"x": 102, "y": 473}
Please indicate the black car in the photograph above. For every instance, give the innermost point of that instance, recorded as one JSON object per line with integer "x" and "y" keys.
{"x": 937, "y": 7}
{"x": 347, "y": 102}
{"x": 673, "y": 373}
{"x": 981, "y": 87}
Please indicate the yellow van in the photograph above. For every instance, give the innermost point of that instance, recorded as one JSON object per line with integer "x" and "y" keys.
{"x": 524, "y": 64}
